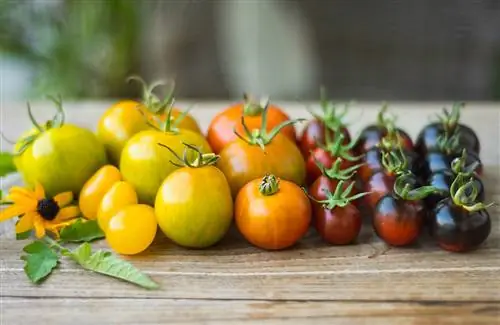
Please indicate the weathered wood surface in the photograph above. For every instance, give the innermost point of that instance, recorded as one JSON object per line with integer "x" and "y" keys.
{"x": 313, "y": 283}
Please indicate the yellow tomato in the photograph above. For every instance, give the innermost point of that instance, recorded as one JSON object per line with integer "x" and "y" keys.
{"x": 120, "y": 195}
{"x": 94, "y": 189}
{"x": 187, "y": 122}
{"x": 132, "y": 229}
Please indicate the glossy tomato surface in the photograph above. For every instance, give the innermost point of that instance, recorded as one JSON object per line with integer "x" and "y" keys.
{"x": 145, "y": 164}
{"x": 338, "y": 226}
{"x": 194, "y": 206}
{"x": 379, "y": 185}
{"x": 372, "y": 135}
{"x": 427, "y": 139}
{"x": 120, "y": 195}
{"x": 398, "y": 222}
{"x": 457, "y": 230}
{"x": 242, "y": 162}
{"x": 274, "y": 221}
{"x": 315, "y": 132}
{"x": 221, "y": 128}
{"x": 95, "y": 188}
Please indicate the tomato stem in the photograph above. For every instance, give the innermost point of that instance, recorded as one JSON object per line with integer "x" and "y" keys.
{"x": 451, "y": 119}
{"x": 339, "y": 198}
{"x": 335, "y": 172}
{"x": 252, "y": 107}
{"x": 458, "y": 165}
{"x": 337, "y": 148}
{"x": 404, "y": 187}
{"x": 395, "y": 162}
{"x": 464, "y": 193}
{"x": 192, "y": 156}
{"x": 269, "y": 185}
{"x": 32, "y": 118}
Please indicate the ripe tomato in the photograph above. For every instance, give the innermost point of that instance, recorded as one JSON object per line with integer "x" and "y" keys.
{"x": 379, "y": 184}
{"x": 120, "y": 195}
{"x": 95, "y": 188}
{"x": 321, "y": 186}
{"x": 194, "y": 207}
{"x": 272, "y": 214}
{"x": 61, "y": 157}
{"x": 145, "y": 164}
{"x": 315, "y": 133}
{"x": 221, "y": 128}
{"x": 118, "y": 124}
{"x": 132, "y": 229}
{"x": 186, "y": 121}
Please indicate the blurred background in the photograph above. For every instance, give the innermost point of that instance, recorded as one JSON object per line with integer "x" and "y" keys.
{"x": 358, "y": 49}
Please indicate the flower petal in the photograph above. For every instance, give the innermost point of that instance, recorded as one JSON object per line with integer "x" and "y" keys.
{"x": 67, "y": 213}
{"x": 20, "y": 199}
{"x": 22, "y": 191}
{"x": 39, "y": 191}
{"x": 26, "y": 222}
{"x": 63, "y": 199}
{"x": 12, "y": 211}
{"x": 39, "y": 228}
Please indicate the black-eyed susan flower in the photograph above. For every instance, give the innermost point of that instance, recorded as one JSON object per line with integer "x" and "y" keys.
{"x": 38, "y": 212}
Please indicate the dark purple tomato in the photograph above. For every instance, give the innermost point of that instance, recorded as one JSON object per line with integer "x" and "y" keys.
{"x": 458, "y": 230}
{"x": 435, "y": 161}
{"x": 314, "y": 133}
{"x": 428, "y": 138}
{"x": 373, "y": 163}
{"x": 398, "y": 222}
{"x": 379, "y": 185}
{"x": 338, "y": 226}
{"x": 371, "y": 136}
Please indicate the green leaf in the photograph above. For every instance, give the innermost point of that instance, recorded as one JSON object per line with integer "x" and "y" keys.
{"x": 40, "y": 260}
{"x": 23, "y": 235}
{"x": 6, "y": 164}
{"x": 104, "y": 262}
{"x": 81, "y": 231}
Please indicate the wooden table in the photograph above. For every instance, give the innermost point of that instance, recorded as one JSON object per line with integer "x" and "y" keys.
{"x": 313, "y": 283}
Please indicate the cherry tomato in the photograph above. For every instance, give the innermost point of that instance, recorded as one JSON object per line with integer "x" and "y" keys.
{"x": 145, "y": 164}
{"x": 194, "y": 206}
{"x": 379, "y": 185}
{"x": 221, "y": 128}
{"x": 272, "y": 215}
{"x": 95, "y": 188}
{"x": 132, "y": 229}
{"x": 458, "y": 230}
{"x": 321, "y": 186}
{"x": 314, "y": 134}
{"x": 340, "y": 225}
{"x": 435, "y": 161}
{"x": 427, "y": 139}
{"x": 120, "y": 195}
{"x": 327, "y": 159}
{"x": 398, "y": 222}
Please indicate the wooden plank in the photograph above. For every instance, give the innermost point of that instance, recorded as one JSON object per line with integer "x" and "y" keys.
{"x": 160, "y": 311}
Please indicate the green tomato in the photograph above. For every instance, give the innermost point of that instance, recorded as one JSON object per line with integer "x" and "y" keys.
{"x": 145, "y": 164}
{"x": 61, "y": 159}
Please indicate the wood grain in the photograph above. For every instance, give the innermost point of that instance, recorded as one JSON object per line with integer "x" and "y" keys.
{"x": 312, "y": 283}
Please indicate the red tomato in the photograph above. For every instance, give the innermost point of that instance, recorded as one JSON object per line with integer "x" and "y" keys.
{"x": 340, "y": 225}
{"x": 323, "y": 185}
{"x": 314, "y": 134}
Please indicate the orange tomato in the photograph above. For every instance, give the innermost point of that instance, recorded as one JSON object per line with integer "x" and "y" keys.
{"x": 221, "y": 129}
{"x": 120, "y": 195}
{"x": 94, "y": 189}
{"x": 272, "y": 214}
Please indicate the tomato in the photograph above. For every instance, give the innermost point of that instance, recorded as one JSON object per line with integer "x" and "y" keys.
{"x": 379, "y": 184}
{"x": 194, "y": 206}
{"x": 398, "y": 222}
{"x": 118, "y": 124}
{"x": 145, "y": 164}
{"x": 95, "y": 188}
{"x": 120, "y": 195}
{"x": 132, "y": 229}
{"x": 221, "y": 128}
{"x": 186, "y": 121}
{"x": 315, "y": 133}
{"x": 272, "y": 214}
{"x": 61, "y": 157}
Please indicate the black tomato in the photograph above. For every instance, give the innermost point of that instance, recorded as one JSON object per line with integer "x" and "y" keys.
{"x": 458, "y": 230}
{"x": 427, "y": 139}
{"x": 338, "y": 226}
{"x": 436, "y": 161}
{"x": 379, "y": 184}
{"x": 373, "y": 163}
{"x": 314, "y": 133}
{"x": 398, "y": 222}
{"x": 372, "y": 135}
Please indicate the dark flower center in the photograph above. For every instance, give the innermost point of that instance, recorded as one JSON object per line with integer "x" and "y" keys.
{"x": 48, "y": 209}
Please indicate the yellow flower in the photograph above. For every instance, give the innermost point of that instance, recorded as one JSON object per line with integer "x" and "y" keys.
{"x": 38, "y": 212}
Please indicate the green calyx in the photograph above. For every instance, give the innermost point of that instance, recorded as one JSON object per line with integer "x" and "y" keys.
{"x": 254, "y": 107}
{"x": 404, "y": 188}
{"x": 383, "y": 120}
{"x": 56, "y": 122}
{"x": 395, "y": 162}
{"x": 192, "y": 157}
{"x": 450, "y": 120}
{"x": 269, "y": 185}
{"x": 335, "y": 172}
{"x": 458, "y": 165}
{"x": 464, "y": 192}
{"x": 157, "y": 107}
{"x": 261, "y": 137}
{"x": 448, "y": 142}
{"x": 331, "y": 115}
{"x": 337, "y": 148}
{"x": 339, "y": 198}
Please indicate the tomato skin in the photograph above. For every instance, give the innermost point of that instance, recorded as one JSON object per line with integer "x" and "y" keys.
{"x": 120, "y": 195}
{"x": 145, "y": 164}
{"x": 398, "y": 222}
{"x": 132, "y": 229}
{"x": 379, "y": 184}
{"x": 221, "y": 129}
{"x": 427, "y": 139}
{"x": 320, "y": 186}
{"x": 95, "y": 188}
{"x": 340, "y": 225}
{"x": 324, "y": 157}
{"x": 314, "y": 133}
{"x": 272, "y": 222}
{"x": 242, "y": 162}
{"x": 62, "y": 159}
{"x": 457, "y": 230}
{"x": 372, "y": 135}
{"x": 194, "y": 206}
{"x": 118, "y": 124}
